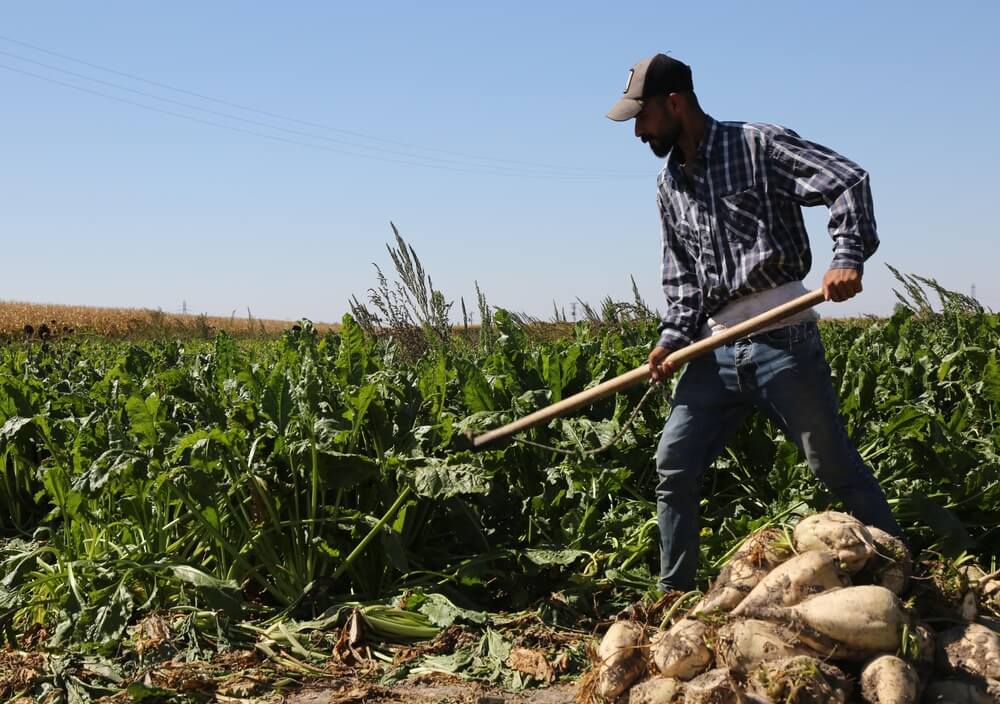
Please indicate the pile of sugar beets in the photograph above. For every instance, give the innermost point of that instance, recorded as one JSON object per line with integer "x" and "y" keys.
{"x": 834, "y": 615}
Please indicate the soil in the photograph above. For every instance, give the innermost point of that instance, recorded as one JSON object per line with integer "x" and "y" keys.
{"x": 437, "y": 689}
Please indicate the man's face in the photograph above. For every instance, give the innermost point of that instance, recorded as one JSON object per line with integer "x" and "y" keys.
{"x": 657, "y": 125}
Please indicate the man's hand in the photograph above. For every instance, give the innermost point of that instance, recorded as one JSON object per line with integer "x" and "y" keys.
{"x": 659, "y": 368}
{"x": 841, "y": 284}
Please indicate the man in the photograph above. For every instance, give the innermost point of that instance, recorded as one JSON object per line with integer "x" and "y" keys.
{"x": 735, "y": 245}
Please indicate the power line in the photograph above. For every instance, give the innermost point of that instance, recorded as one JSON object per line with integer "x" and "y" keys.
{"x": 279, "y": 116}
{"x": 473, "y": 168}
{"x": 218, "y": 124}
{"x": 265, "y": 124}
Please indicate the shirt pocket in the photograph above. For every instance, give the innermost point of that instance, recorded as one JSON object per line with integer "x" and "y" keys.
{"x": 742, "y": 216}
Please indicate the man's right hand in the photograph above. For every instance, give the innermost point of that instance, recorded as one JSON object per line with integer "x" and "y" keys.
{"x": 659, "y": 368}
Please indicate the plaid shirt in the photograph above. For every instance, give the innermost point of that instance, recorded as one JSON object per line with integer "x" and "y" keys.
{"x": 732, "y": 225}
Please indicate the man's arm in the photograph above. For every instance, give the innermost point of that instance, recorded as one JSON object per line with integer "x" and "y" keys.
{"x": 811, "y": 174}
{"x": 679, "y": 325}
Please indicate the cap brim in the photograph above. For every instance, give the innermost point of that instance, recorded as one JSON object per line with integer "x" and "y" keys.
{"x": 625, "y": 109}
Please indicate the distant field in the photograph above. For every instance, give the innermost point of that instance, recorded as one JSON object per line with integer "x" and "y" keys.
{"x": 34, "y": 320}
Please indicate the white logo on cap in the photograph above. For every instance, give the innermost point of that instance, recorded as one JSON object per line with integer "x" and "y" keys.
{"x": 628, "y": 80}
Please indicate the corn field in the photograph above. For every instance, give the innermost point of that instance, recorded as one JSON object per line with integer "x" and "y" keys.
{"x": 37, "y": 321}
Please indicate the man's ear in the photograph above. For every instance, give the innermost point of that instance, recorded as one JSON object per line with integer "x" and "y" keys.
{"x": 666, "y": 103}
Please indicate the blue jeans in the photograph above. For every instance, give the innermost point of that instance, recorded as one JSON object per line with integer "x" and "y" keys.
{"x": 782, "y": 373}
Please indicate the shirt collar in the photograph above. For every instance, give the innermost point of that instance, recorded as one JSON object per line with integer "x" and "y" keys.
{"x": 708, "y": 140}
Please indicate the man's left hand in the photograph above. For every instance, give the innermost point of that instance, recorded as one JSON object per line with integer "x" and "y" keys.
{"x": 841, "y": 284}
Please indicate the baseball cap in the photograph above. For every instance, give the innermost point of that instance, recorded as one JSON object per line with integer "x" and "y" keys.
{"x": 656, "y": 75}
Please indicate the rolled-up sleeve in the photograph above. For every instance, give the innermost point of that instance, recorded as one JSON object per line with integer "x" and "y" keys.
{"x": 811, "y": 174}
{"x": 679, "y": 326}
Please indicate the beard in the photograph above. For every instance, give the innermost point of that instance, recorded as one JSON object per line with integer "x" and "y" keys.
{"x": 662, "y": 143}
{"x": 659, "y": 149}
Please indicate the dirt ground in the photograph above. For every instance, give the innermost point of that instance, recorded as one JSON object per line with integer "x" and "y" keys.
{"x": 435, "y": 690}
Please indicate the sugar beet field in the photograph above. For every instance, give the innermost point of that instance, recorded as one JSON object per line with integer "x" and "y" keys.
{"x": 293, "y": 516}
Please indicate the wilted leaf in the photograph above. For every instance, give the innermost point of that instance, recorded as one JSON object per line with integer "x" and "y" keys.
{"x": 531, "y": 662}
{"x": 544, "y": 557}
{"x": 440, "y": 481}
{"x": 441, "y": 612}
{"x": 217, "y": 594}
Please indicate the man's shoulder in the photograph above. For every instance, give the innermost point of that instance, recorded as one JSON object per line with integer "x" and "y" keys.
{"x": 757, "y": 132}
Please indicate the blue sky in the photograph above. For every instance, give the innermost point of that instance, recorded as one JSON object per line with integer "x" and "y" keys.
{"x": 482, "y": 135}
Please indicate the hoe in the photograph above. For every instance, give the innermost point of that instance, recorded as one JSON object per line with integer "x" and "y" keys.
{"x": 678, "y": 357}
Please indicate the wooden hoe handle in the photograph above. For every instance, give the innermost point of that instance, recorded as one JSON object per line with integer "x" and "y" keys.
{"x": 678, "y": 357}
